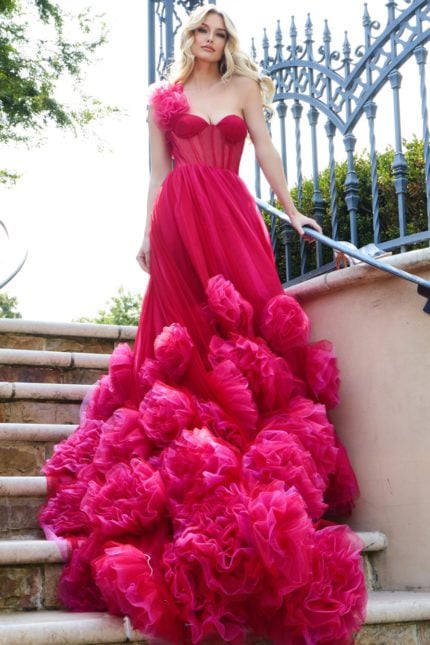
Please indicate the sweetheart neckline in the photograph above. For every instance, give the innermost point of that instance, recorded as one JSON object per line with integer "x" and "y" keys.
{"x": 208, "y": 123}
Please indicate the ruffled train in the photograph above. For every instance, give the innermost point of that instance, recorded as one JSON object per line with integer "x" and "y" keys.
{"x": 198, "y": 513}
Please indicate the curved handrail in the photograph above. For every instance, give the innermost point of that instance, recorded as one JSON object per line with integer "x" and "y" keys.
{"x": 17, "y": 267}
{"x": 423, "y": 285}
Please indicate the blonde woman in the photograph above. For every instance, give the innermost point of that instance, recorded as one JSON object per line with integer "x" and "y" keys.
{"x": 193, "y": 493}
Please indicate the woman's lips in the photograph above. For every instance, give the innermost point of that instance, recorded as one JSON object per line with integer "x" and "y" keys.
{"x": 210, "y": 49}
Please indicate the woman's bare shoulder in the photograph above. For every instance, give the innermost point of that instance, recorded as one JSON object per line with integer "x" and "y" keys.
{"x": 244, "y": 83}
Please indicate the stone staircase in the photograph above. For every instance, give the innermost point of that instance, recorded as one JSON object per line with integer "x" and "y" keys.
{"x": 45, "y": 371}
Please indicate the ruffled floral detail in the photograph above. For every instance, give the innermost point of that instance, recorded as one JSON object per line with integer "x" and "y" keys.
{"x": 121, "y": 371}
{"x": 232, "y": 312}
{"x": 283, "y": 534}
{"x": 343, "y": 487}
{"x": 165, "y": 412}
{"x": 169, "y": 102}
{"x": 211, "y": 568}
{"x": 77, "y": 590}
{"x": 149, "y": 373}
{"x": 322, "y": 373}
{"x": 196, "y": 463}
{"x": 233, "y": 393}
{"x": 121, "y": 439}
{"x": 172, "y": 349}
{"x": 284, "y": 324}
{"x": 331, "y": 606}
{"x": 62, "y": 514}
{"x": 309, "y": 423}
{"x": 103, "y": 402}
{"x": 268, "y": 375}
{"x": 132, "y": 499}
{"x": 132, "y": 585}
{"x": 212, "y": 416}
{"x": 72, "y": 454}
{"x": 276, "y": 455}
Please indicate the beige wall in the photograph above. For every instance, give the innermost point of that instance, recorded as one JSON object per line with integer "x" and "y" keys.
{"x": 382, "y": 340}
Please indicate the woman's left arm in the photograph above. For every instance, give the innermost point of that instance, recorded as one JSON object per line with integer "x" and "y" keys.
{"x": 267, "y": 155}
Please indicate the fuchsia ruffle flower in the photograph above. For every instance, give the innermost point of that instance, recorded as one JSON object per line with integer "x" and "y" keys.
{"x": 196, "y": 463}
{"x": 322, "y": 373}
{"x": 132, "y": 499}
{"x": 331, "y": 606}
{"x": 276, "y": 455}
{"x": 121, "y": 371}
{"x": 232, "y": 312}
{"x": 121, "y": 439}
{"x": 284, "y": 324}
{"x": 268, "y": 375}
{"x": 132, "y": 585}
{"x": 172, "y": 350}
{"x": 308, "y": 422}
{"x": 103, "y": 402}
{"x": 169, "y": 102}
{"x": 165, "y": 412}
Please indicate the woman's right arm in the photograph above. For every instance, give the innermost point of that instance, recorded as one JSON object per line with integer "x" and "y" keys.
{"x": 161, "y": 165}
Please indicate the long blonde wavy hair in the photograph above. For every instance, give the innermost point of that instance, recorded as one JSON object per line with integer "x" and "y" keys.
{"x": 234, "y": 60}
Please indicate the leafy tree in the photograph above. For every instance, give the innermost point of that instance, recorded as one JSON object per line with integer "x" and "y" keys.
{"x": 8, "y": 306}
{"x": 121, "y": 309}
{"x": 41, "y": 47}
{"x": 416, "y": 214}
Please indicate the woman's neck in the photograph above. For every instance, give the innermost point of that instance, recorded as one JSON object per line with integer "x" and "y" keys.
{"x": 204, "y": 76}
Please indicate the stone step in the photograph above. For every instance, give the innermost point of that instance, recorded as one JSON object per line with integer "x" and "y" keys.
{"x": 24, "y": 447}
{"x": 60, "y": 627}
{"x": 67, "y": 337}
{"x": 29, "y": 574}
{"x": 30, "y": 366}
{"x": 30, "y": 569}
{"x": 41, "y": 402}
{"x": 393, "y": 618}
{"x": 20, "y": 501}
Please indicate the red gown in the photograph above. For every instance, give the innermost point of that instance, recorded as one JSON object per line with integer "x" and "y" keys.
{"x": 195, "y": 493}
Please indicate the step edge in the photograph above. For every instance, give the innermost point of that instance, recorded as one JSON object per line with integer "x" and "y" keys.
{"x": 76, "y": 627}
{"x": 19, "y": 390}
{"x": 385, "y": 607}
{"x": 67, "y": 329}
{"x": 36, "y": 432}
{"x": 23, "y": 486}
{"x": 13, "y": 552}
{"x": 47, "y": 358}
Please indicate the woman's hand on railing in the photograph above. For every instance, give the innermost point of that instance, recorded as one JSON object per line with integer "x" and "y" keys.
{"x": 298, "y": 220}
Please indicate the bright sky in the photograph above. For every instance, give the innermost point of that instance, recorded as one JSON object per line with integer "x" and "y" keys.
{"x": 82, "y": 211}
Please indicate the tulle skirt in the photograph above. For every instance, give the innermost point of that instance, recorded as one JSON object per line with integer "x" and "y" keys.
{"x": 195, "y": 495}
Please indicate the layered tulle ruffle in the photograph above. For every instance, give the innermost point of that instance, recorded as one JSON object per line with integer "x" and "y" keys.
{"x": 201, "y": 516}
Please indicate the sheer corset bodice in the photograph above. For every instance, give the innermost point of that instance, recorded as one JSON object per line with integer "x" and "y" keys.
{"x": 195, "y": 141}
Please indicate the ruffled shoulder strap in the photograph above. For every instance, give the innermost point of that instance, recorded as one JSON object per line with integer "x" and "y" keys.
{"x": 168, "y": 101}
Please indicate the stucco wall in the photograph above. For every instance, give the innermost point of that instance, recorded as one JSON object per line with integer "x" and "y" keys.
{"x": 382, "y": 340}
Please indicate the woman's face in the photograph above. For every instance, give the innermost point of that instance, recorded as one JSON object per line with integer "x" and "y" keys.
{"x": 210, "y": 38}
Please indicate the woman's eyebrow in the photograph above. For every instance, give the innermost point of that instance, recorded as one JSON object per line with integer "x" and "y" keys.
{"x": 204, "y": 24}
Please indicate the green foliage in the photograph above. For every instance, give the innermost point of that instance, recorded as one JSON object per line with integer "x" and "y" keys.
{"x": 8, "y": 306}
{"x": 42, "y": 45}
{"x": 122, "y": 309}
{"x": 416, "y": 203}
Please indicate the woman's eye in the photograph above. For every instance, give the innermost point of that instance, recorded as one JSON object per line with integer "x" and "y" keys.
{"x": 201, "y": 30}
{"x": 221, "y": 34}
